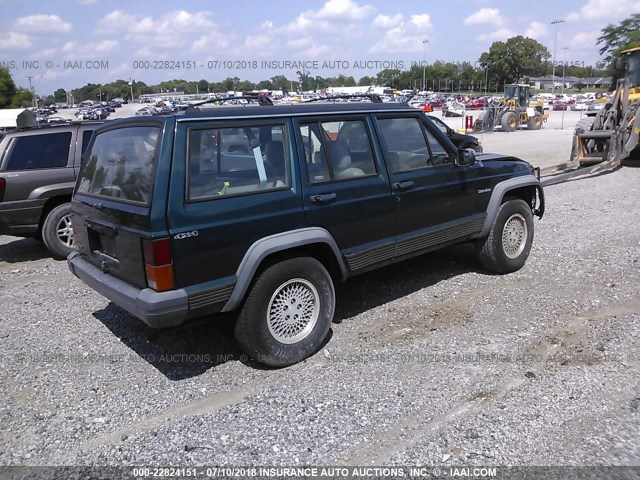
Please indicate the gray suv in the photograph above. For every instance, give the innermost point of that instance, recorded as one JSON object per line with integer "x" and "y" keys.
{"x": 38, "y": 170}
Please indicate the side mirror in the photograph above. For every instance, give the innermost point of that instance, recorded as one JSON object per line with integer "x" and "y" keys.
{"x": 466, "y": 156}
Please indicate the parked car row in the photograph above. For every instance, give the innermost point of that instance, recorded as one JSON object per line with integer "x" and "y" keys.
{"x": 42, "y": 114}
{"x": 97, "y": 111}
{"x": 433, "y": 102}
{"x": 162, "y": 108}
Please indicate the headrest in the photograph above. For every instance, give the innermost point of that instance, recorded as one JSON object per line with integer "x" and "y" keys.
{"x": 274, "y": 151}
{"x": 340, "y": 156}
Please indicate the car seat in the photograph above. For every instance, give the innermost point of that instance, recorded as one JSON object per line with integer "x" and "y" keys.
{"x": 274, "y": 163}
{"x": 341, "y": 161}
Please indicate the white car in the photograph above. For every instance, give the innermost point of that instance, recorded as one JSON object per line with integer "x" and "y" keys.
{"x": 580, "y": 105}
{"x": 147, "y": 111}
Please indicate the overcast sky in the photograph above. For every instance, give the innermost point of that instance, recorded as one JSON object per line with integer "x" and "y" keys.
{"x": 204, "y": 32}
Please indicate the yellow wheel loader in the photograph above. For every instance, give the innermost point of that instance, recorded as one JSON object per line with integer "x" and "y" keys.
{"x": 511, "y": 112}
{"x": 612, "y": 135}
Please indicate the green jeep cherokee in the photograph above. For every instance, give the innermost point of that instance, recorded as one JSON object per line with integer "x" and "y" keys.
{"x": 260, "y": 209}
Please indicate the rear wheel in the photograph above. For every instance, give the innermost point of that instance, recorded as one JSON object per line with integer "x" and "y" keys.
{"x": 508, "y": 244}
{"x": 57, "y": 231}
{"x": 510, "y": 121}
{"x": 287, "y": 313}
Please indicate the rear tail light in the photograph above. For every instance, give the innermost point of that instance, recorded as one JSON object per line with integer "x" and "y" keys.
{"x": 3, "y": 184}
{"x": 158, "y": 264}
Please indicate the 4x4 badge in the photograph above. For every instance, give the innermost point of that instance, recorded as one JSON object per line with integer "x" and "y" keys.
{"x": 180, "y": 236}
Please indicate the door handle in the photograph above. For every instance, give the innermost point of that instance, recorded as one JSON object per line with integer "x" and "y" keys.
{"x": 402, "y": 186}
{"x": 324, "y": 198}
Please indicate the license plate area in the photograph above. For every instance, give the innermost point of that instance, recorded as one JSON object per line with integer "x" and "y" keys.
{"x": 101, "y": 242}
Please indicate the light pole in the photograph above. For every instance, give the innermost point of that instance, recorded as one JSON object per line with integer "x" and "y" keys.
{"x": 564, "y": 58}
{"x": 424, "y": 64}
{"x": 131, "y": 88}
{"x": 555, "y": 41}
{"x": 563, "y": 68}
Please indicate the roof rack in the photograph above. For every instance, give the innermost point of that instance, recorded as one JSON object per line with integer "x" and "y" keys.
{"x": 374, "y": 97}
{"x": 263, "y": 101}
{"x": 66, "y": 123}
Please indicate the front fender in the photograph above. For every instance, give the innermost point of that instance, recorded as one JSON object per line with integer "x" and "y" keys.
{"x": 498, "y": 194}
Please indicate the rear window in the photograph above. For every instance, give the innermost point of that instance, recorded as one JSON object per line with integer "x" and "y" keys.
{"x": 39, "y": 151}
{"x": 121, "y": 164}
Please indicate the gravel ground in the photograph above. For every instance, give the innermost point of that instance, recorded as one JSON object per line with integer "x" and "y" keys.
{"x": 430, "y": 362}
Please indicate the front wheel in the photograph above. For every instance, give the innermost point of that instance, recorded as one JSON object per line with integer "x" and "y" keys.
{"x": 510, "y": 121}
{"x": 535, "y": 122}
{"x": 508, "y": 244}
{"x": 57, "y": 231}
{"x": 287, "y": 313}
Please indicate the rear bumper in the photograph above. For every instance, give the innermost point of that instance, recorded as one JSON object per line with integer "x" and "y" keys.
{"x": 156, "y": 309}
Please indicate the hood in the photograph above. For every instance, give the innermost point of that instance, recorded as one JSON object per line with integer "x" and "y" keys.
{"x": 485, "y": 157}
{"x": 496, "y": 157}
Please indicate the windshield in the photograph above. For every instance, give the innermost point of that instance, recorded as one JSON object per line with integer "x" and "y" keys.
{"x": 634, "y": 69}
{"x": 120, "y": 164}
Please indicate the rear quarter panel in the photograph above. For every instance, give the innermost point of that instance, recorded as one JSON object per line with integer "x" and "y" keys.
{"x": 226, "y": 227}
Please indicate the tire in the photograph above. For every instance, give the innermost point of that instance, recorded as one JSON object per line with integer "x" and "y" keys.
{"x": 264, "y": 337}
{"x": 57, "y": 232}
{"x": 535, "y": 122}
{"x": 508, "y": 244}
{"x": 510, "y": 121}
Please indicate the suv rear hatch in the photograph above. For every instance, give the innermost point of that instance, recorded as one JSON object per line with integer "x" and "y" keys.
{"x": 112, "y": 211}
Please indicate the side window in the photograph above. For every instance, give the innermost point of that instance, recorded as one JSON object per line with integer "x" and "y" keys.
{"x": 237, "y": 161}
{"x": 337, "y": 150}
{"x": 39, "y": 151}
{"x": 406, "y": 147}
{"x": 439, "y": 154}
{"x": 354, "y": 135}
